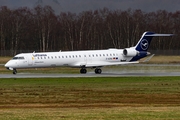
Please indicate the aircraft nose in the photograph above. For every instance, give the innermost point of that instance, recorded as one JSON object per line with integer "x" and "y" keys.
{"x": 8, "y": 65}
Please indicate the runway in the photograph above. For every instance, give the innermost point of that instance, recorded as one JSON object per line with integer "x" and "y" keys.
{"x": 132, "y": 70}
{"x": 130, "y": 74}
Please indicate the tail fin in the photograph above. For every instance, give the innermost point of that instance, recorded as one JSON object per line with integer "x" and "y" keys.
{"x": 145, "y": 40}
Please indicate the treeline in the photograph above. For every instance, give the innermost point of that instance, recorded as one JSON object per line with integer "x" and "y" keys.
{"x": 40, "y": 29}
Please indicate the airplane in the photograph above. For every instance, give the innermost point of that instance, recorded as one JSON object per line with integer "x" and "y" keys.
{"x": 86, "y": 58}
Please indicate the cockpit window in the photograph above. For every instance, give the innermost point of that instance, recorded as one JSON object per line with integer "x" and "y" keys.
{"x": 14, "y": 58}
{"x": 18, "y": 58}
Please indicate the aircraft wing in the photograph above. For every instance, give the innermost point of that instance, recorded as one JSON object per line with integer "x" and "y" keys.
{"x": 100, "y": 64}
{"x": 108, "y": 63}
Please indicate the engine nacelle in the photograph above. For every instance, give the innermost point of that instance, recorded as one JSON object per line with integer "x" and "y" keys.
{"x": 130, "y": 52}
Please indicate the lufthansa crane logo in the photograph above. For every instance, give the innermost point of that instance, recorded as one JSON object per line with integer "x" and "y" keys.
{"x": 144, "y": 44}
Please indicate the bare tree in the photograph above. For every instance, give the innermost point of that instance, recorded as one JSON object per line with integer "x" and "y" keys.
{"x": 45, "y": 20}
{"x": 4, "y": 19}
{"x": 41, "y": 29}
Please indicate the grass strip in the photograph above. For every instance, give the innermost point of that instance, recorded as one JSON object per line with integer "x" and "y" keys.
{"x": 119, "y": 98}
{"x": 89, "y": 92}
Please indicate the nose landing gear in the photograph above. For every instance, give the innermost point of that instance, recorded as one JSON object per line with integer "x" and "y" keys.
{"x": 14, "y": 71}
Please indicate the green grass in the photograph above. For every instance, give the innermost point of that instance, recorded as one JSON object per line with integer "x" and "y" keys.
{"x": 90, "y": 98}
{"x": 123, "y": 113}
{"x": 78, "y": 91}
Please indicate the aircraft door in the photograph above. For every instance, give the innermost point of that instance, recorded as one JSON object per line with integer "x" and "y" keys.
{"x": 30, "y": 60}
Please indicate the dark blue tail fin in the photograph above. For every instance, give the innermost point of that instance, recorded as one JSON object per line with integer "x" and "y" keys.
{"x": 143, "y": 45}
{"x": 145, "y": 40}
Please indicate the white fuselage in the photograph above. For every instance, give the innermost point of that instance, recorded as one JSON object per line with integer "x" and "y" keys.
{"x": 89, "y": 58}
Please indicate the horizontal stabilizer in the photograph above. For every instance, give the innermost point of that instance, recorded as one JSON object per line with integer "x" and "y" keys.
{"x": 159, "y": 34}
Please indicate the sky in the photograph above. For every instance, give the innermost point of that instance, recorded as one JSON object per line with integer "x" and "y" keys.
{"x": 76, "y": 6}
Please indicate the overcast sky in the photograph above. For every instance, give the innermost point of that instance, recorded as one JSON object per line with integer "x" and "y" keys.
{"x": 84, "y": 5}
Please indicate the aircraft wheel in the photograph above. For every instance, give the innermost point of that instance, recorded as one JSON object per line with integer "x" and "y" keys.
{"x": 14, "y": 71}
{"x": 98, "y": 71}
{"x": 83, "y": 71}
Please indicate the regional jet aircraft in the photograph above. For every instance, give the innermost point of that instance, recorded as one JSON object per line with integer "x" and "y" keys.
{"x": 84, "y": 59}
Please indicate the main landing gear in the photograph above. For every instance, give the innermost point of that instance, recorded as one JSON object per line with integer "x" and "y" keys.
{"x": 97, "y": 71}
{"x": 14, "y": 71}
{"x": 83, "y": 71}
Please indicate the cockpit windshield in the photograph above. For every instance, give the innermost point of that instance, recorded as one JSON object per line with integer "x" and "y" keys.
{"x": 17, "y": 58}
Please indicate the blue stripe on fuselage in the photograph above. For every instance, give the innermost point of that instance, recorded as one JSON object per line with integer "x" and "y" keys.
{"x": 141, "y": 54}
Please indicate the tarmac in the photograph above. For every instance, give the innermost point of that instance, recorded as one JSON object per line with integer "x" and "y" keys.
{"x": 131, "y": 74}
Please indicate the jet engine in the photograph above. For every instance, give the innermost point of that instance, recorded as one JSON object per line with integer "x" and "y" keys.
{"x": 130, "y": 52}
